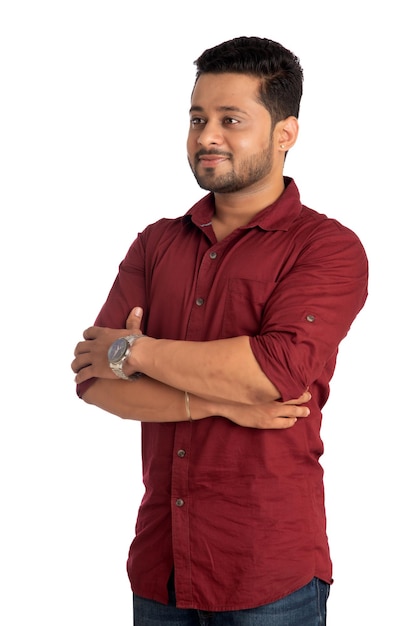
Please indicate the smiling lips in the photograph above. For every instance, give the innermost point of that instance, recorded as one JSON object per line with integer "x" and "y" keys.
{"x": 211, "y": 160}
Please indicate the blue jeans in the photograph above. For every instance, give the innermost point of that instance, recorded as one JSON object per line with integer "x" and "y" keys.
{"x": 305, "y": 607}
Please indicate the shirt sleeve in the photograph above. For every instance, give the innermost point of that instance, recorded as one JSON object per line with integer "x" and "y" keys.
{"x": 128, "y": 291}
{"x": 311, "y": 310}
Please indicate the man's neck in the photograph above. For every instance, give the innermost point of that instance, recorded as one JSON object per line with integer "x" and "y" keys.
{"x": 234, "y": 210}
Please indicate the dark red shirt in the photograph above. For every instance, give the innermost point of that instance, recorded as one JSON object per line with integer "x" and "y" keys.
{"x": 239, "y": 512}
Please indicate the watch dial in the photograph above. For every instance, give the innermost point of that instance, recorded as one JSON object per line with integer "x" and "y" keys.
{"x": 117, "y": 350}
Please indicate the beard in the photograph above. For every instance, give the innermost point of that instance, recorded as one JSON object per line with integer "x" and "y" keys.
{"x": 249, "y": 171}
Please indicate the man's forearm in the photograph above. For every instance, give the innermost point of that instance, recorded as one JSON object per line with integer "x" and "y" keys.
{"x": 225, "y": 369}
{"x": 144, "y": 400}
{"x": 148, "y": 400}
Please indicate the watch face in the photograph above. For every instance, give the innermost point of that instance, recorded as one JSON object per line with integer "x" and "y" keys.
{"x": 117, "y": 350}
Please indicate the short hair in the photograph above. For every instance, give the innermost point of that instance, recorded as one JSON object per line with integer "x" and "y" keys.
{"x": 279, "y": 70}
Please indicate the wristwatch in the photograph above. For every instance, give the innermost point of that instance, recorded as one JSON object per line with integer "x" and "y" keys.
{"x": 117, "y": 354}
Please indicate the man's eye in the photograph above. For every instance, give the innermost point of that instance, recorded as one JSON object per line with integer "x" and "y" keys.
{"x": 196, "y": 121}
{"x": 230, "y": 120}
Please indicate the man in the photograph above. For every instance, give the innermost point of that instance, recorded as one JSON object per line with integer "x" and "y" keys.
{"x": 243, "y": 302}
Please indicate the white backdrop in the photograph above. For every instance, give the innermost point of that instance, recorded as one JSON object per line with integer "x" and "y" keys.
{"x": 94, "y": 114}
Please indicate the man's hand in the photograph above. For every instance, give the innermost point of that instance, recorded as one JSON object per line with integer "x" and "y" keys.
{"x": 91, "y": 355}
{"x": 273, "y": 415}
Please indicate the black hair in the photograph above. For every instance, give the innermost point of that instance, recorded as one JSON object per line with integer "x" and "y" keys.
{"x": 279, "y": 70}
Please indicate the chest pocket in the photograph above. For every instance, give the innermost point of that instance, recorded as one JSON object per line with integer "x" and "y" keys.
{"x": 244, "y": 305}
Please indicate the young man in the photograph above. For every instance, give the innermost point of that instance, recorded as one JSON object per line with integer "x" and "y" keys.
{"x": 243, "y": 302}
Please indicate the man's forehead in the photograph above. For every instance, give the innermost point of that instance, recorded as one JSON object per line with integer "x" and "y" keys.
{"x": 227, "y": 88}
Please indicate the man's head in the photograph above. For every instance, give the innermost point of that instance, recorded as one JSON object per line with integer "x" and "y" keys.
{"x": 279, "y": 71}
{"x": 243, "y": 116}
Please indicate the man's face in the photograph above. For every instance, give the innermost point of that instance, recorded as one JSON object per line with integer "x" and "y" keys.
{"x": 230, "y": 143}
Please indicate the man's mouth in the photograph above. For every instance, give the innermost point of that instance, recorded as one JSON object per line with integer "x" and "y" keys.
{"x": 211, "y": 160}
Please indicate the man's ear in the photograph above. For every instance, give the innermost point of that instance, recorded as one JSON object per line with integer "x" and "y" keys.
{"x": 286, "y": 133}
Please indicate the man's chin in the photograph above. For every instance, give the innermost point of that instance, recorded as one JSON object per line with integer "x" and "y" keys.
{"x": 216, "y": 186}
{"x": 204, "y": 183}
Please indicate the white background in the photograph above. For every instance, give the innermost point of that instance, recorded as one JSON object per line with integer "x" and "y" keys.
{"x": 94, "y": 114}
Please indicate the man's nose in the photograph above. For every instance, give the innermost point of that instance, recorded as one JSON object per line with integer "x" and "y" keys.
{"x": 210, "y": 135}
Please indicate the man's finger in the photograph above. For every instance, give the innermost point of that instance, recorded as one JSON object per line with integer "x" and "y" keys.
{"x": 305, "y": 397}
{"x": 133, "y": 323}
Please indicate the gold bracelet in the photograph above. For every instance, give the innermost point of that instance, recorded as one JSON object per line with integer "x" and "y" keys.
{"x": 187, "y": 404}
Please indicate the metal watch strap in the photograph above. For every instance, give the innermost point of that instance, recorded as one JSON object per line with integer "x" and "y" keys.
{"x": 117, "y": 367}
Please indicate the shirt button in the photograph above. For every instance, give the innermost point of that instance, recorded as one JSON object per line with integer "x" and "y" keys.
{"x": 213, "y": 255}
{"x": 181, "y": 453}
{"x": 310, "y": 318}
{"x": 199, "y": 301}
{"x": 179, "y": 502}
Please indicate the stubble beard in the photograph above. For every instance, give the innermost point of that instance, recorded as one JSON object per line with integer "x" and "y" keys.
{"x": 251, "y": 171}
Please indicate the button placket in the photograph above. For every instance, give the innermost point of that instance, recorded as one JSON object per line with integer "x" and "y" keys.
{"x": 200, "y": 301}
{"x": 206, "y": 272}
{"x": 180, "y": 495}
{"x": 180, "y": 464}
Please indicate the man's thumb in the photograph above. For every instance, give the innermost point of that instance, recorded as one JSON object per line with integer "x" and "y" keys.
{"x": 133, "y": 323}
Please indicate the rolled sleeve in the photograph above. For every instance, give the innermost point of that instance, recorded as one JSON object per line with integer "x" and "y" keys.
{"x": 311, "y": 309}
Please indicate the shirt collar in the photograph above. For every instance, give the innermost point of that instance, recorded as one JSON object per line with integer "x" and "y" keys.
{"x": 277, "y": 216}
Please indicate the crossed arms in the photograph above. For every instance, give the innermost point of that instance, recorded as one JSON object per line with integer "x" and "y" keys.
{"x": 223, "y": 378}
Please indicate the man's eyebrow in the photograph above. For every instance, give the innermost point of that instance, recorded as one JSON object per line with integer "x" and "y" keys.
{"x": 222, "y": 109}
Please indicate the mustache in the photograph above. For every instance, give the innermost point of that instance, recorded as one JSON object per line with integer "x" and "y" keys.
{"x": 203, "y": 152}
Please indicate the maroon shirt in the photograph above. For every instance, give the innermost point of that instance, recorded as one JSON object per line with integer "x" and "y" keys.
{"x": 239, "y": 512}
